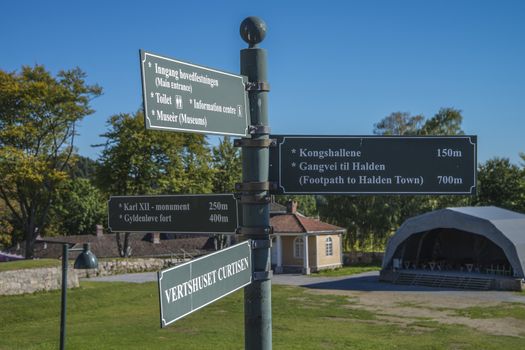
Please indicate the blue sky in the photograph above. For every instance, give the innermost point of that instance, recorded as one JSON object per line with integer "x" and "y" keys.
{"x": 335, "y": 67}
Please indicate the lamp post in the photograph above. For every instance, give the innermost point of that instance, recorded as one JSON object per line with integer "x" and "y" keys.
{"x": 85, "y": 260}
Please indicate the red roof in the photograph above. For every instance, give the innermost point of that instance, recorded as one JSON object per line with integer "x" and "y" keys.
{"x": 296, "y": 223}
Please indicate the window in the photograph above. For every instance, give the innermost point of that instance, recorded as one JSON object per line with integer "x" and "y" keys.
{"x": 329, "y": 246}
{"x": 298, "y": 248}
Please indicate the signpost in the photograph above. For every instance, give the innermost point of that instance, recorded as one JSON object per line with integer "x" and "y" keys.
{"x": 180, "y": 96}
{"x": 211, "y": 213}
{"x": 374, "y": 165}
{"x": 188, "y": 287}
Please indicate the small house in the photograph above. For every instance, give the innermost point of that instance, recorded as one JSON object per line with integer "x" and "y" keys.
{"x": 303, "y": 244}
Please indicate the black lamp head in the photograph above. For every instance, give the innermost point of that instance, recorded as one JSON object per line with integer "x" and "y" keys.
{"x": 86, "y": 259}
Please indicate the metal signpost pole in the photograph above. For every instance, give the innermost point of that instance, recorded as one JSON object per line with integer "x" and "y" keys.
{"x": 85, "y": 260}
{"x": 65, "y": 258}
{"x": 254, "y": 189}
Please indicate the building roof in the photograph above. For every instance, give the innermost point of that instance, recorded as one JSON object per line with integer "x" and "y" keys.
{"x": 276, "y": 208}
{"x": 503, "y": 227}
{"x": 105, "y": 246}
{"x": 297, "y": 223}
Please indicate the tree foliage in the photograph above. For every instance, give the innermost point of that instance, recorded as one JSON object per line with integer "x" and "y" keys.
{"x": 501, "y": 183}
{"x": 136, "y": 161}
{"x": 6, "y": 228}
{"x": 139, "y": 161}
{"x": 399, "y": 123}
{"x": 227, "y": 166}
{"x": 447, "y": 121}
{"x": 306, "y": 205}
{"x": 83, "y": 167}
{"x": 38, "y": 116}
{"x": 78, "y": 208}
{"x": 368, "y": 220}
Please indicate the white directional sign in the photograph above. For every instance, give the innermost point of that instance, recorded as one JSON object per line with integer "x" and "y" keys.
{"x": 186, "y": 288}
{"x": 181, "y": 96}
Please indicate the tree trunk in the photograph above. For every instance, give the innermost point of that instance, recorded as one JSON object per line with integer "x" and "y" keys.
{"x": 30, "y": 236}
{"x": 30, "y": 246}
{"x": 124, "y": 249}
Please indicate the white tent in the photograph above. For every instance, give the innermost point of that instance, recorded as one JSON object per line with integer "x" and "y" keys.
{"x": 487, "y": 234}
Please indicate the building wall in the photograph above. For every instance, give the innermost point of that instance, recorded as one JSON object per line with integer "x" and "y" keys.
{"x": 288, "y": 258}
{"x": 317, "y": 258}
{"x": 312, "y": 251}
{"x": 335, "y": 258}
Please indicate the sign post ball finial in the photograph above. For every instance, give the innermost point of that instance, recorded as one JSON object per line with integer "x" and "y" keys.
{"x": 253, "y": 30}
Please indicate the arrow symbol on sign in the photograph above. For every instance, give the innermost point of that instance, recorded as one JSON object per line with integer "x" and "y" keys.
{"x": 149, "y": 64}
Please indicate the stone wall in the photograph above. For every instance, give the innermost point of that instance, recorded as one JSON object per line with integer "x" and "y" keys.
{"x": 35, "y": 280}
{"x": 120, "y": 266}
{"x": 46, "y": 279}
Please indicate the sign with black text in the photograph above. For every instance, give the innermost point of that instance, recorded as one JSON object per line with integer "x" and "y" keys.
{"x": 180, "y": 96}
{"x": 374, "y": 164}
{"x": 210, "y": 213}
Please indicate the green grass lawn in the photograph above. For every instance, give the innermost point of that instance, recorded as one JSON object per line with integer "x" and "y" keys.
{"x": 514, "y": 310}
{"x": 28, "y": 264}
{"x": 126, "y": 316}
{"x": 347, "y": 270}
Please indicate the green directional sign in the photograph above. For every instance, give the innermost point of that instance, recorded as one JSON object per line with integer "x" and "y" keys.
{"x": 210, "y": 213}
{"x": 374, "y": 164}
{"x": 188, "y": 287}
{"x": 181, "y": 96}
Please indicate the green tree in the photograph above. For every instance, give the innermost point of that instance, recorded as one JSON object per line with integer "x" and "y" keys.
{"x": 306, "y": 205}
{"x": 502, "y": 184}
{"x": 227, "y": 166}
{"x": 83, "y": 167}
{"x": 399, "y": 123}
{"x": 447, "y": 121}
{"x": 78, "y": 208}
{"x": 368, "y": 219}
{"x": 38, "y": 116}
{"x": 137, "y": 161}
{"x": 6, "y": 228}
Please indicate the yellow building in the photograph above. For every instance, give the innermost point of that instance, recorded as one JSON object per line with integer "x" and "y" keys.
{"x": 304, "y": 244}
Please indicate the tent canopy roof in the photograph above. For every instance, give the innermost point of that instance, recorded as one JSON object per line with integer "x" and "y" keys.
{"x": 503, "y": 227}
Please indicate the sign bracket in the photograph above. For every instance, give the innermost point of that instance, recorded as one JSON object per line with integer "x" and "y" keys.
{"x": 254, "y": 198}
{"x": 257, "y": 86}
{"x": 258, "y": 143}
{"x": 255, "y": 186}
{"x": 255, "y": 230}
{"x": 259, "y": 129}
{"x": 261, "y": 243}
{"x": 262, "y": 275}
